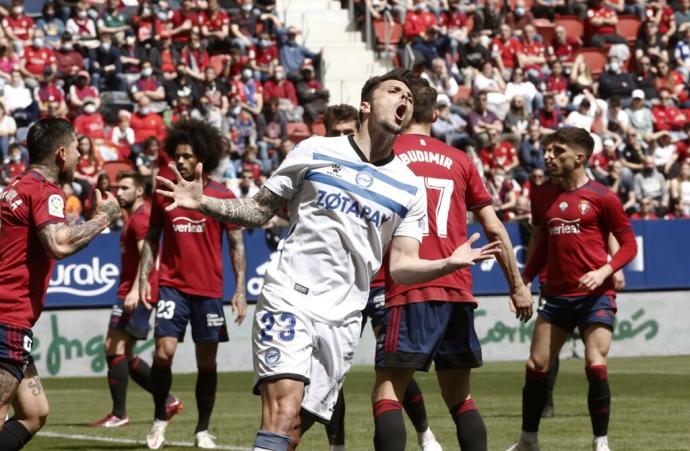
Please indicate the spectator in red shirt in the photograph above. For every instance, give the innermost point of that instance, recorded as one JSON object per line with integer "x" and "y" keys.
{"x": 183, "y": 22}
{"x": 671, "y": 81}
{"x": 498, "y": 154}
{"x": 600, "y": 25}
{"x": 37, "y": 57}
{"x": 50, "y": 96}
{"x": 531, "y": 56}
{"x": 646, "y": 210}
{"x": 562, "y": 47}
{"x": 18, "y": 26}
{"x": 266, "y": 57}
{"x": 557, "y": 85}
{"x": 90, "y": 123}
{"x": 214, "y": 22}
{"x": 147, "y": 25}
{"x": 149, "y": 86}
{"x": 146, "y": 123}
{"x": 82, "y": 91}
{"x": 505, "y": 49}
{"x": 282, "y": 88}
{"x": 664, "y": 17}
{"x": 195, "y": 57}
{"x": 666, "y": 115}
{"x": 418, "y": 20}
{"x": 504, "y": 191}
{"x": 68, "y": 60}
{"x": 13, "y": 165}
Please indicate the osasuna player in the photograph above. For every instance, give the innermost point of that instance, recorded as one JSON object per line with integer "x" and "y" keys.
{"x": 129, "y": 320}
{"x": 190, "y": 278}
{"x": 573, "y": 219}
{"x": 344, "y": 120}
{"x": 350, "y": 200}
{"x": 33, "y": 233}
{"x": 434, "y": 320}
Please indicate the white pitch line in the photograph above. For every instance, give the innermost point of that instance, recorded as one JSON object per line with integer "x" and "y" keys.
{"x": 127, "y": 441}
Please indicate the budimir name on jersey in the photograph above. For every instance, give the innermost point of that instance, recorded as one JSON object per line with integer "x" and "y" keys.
{"x": 350, "y": 206}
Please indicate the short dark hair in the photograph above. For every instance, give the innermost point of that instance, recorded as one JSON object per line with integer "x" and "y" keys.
{"x": 336, "y": 114}
{"x": 136, "y": 177}
{"x": 424, "y": 102}
{"x": 574, "y": 137}
{"x": 46, "y": 136}
{"x": 403, "y": 75}
{"x": 205, "y": 140}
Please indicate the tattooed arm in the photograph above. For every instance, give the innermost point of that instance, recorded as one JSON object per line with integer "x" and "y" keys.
{"x": 62, "y": 240}
{"x": 251, "y": 212}
{"x": 147, "y": 258}
{"x": 239, "y": 265}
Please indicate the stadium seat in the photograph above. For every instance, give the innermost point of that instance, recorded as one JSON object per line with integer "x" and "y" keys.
{"x": 595, "y": 59}
{"x": 217, "y": 62}
{"x": 463, "y": 95}
{"x": 387, "y": 31}
{"x": 318, "y": 128}
{"x": 545, "y": 28}
{"x": 297, "y": 131}
{"x": 111, "y": 168}
{"x": 573, "y": 26}
{"x": 33, "y": 8}
{"x": 629, "y": 27}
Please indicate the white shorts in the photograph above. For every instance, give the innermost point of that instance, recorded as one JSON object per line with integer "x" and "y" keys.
{"x": 287, "y": 344}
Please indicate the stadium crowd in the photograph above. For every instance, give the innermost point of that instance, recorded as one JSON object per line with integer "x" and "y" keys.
{"x": 506, "y": 74}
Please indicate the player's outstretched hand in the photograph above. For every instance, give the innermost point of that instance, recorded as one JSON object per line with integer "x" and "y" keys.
{"x": 521, "y": 303}
{"x": 183, "y": 194}
{"x": 107, "y": 206}
{"x": 145, "y": 294}
{"x": 593, "y": 279}
{"x": 465, "y": 255}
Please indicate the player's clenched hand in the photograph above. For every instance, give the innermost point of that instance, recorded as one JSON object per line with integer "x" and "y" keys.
{"x": 131, "y": 301}
{"x": 521, "y": 303}
{"x": 145, "y": 293}
{"x": 618, "y": 280}
{"x": 107, "y": 206}
{"x": 183, "y": 194}
{"x": 593, "y": 279}
{"x": 465, "y": 255}
{"x": 239, "y": 307}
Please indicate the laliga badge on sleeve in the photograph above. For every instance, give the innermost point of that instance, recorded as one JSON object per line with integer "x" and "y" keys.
{"x": 56, "y": 206}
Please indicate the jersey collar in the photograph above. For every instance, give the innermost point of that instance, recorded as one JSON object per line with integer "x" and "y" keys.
{"x": 382, "y": 162}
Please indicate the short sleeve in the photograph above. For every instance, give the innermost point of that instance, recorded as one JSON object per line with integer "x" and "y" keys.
{"x": 47, "y": 206}
{"x": 287, "y": 179}
{"x": 415, "y": 220}
{"x": 141, "y": 226}
{"x": 476, "y": 195}
{"x": 157, "y": 213}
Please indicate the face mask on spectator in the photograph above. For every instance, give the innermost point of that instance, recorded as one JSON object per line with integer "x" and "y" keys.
{"x": 146, "y": 12}
{"x": 67, "y": 46}
{"x": 247, "y": 74}
{"x": 499, "y": 179}
{"x": 614, "y": 67}
{"x": 18, "y": 10}
{"x": 105, "y": 46}
{"x": 15, "y": 158}
{"x": 147, "y": 72}
{"x": 131, "y": 40}
{"x": 265, "y": 43}
{"x": 421, "y": 7}
{"x": 235, "y": 110}
{"x": 38, "y": 42}
{"x": 519, "y": 11}
{"x": 247, "y": 8}
{"x": 82, "y": 14}
{"x": 279, "y": 76}
{"x": 144, "y": 110}
{"x": 90, "y": 108}
{"x": 163, "y": 15}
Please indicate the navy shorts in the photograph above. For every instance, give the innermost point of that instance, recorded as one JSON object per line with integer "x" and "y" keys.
{"x": 375, "y": 308}
{"x": 176, "y": 309}
{"x": 415, "y": 334}
{"x": 566, "y": 312}
{"x": 136, "y": 324}
{"x": 15, "y": 349}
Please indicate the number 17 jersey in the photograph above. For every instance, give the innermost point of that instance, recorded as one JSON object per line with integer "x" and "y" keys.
{"x": 453, "y": 186}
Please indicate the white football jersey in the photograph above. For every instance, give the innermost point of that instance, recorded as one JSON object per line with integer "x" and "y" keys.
{"x": 344, "y": 212}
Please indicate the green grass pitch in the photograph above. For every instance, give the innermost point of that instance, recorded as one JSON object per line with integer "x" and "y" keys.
{"x": 650, "y": 411}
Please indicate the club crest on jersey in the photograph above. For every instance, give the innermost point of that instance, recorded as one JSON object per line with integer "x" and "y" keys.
{"x": 563, "y": 206}
{"x": 364, "y": 179}
{"x": 272, "y": 356}
{"x": 335, "y": 170}
{"x": 583, "y": 207}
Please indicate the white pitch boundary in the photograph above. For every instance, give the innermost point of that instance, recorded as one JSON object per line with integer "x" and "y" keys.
{"x": 127, "y": 441}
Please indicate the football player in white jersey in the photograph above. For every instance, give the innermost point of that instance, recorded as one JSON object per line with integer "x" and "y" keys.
{"x": 350, "y": 200}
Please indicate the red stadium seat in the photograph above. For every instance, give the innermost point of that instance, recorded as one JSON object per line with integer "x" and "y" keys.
{"x": 297, "y": 131}
{"x": 545, "y": 28}
{"x": 318, "y": 128}
{"x": 111, "y": 168}
{"x": 573, "y": 26}
{"x": 463, "y": 95}
{"x": 595, "y": 59}
{"x": 383, "y": 29}
{"x": 629, "y": 27}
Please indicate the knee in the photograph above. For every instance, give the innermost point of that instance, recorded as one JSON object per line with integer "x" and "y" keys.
{"x": 163, "y": 355}
{"x": 537, "y": 364}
